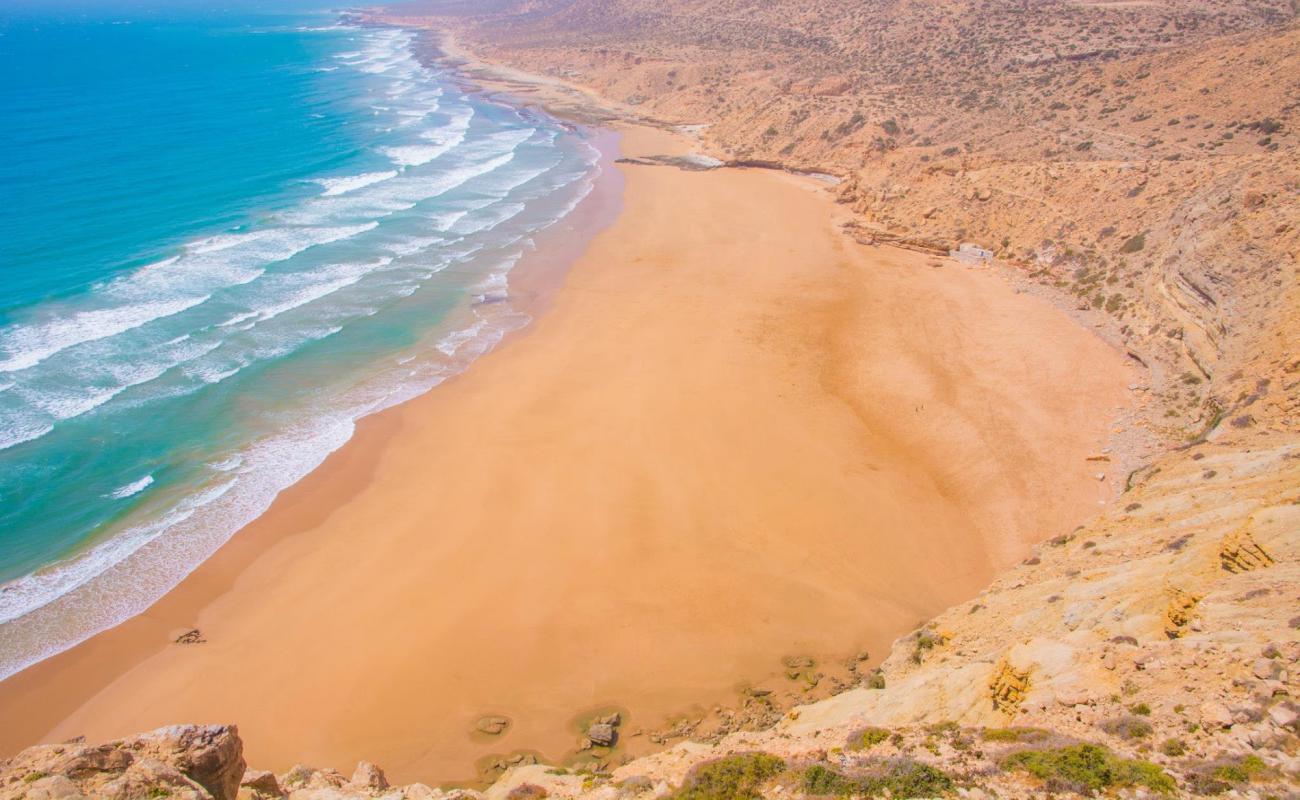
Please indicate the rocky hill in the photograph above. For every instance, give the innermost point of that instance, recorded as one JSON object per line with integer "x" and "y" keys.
{"x": 1142, "y": 156}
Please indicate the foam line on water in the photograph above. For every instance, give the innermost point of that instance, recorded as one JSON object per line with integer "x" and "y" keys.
{"x": 133, "y": 488}
{"x": 131, "y": 302}
{"x": 30, "y": 344}
{"x": 344, "y": 184}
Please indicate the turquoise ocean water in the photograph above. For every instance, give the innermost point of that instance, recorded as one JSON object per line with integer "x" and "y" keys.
{"x": 224, "y": 239}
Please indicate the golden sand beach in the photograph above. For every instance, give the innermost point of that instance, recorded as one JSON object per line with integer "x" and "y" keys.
{"x": 734, "y": 434}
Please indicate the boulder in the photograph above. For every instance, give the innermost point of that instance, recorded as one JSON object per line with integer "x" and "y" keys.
{"x": 204, "y": 762}
{"x": 1215, "y": 716}
{"x": 369, "y": 776}
{"x": 1283, "y": 717}
{"x": 53, "y": 787}
{"x": 1264, "y": 669}
{"x": 261, "y": 784}
{"x": 210, "y": 755}
{"x": 149, "y": 777}
{"x": 601, "y": 734}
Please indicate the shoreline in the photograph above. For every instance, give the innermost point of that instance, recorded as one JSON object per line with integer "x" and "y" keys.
{"x": 352, "y": 471}
{"x": 533, "y": 280}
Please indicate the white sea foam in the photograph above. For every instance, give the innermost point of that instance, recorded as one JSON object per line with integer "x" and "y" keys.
{"x": 343, "y": 185}
{"x": 412, "y": 155}
{"x": 22, "y": 431}
{"x": 449, "y": 344}
{"x": 133, "y": 488}
{"x": 320, "y": 284}
{"x": 29, "y": 344}
{"x": 129, "y": 302}
{"x": 488, "y": 219}
{"x": 219, "y": 242}
{"x": 24, "y": 595}
{"x": 228, "y": 464}
{"x": 413, "y": 245}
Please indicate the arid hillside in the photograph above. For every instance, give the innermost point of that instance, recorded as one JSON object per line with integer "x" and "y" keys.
{"x": 1142, "y": 156}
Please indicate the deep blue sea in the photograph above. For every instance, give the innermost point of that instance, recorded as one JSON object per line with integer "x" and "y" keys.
{"x": 224, "y": 238}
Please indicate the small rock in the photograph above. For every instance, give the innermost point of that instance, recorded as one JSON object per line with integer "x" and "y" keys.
{"x": 1215, "y": 715}
{"x": 1264, "y": 669}
{"x": 602, "y": 734}
{"x": 261, "y": 782}
{"x": 369, "y": 776}
{"x": 1108, "y": 660}
{"x": 192, "y": 636}
{"x": 492, "y": 725}
{"x": 1283, "y": 717}
{"x": 52, "y": 787}
{"x": 1072, "y": 697}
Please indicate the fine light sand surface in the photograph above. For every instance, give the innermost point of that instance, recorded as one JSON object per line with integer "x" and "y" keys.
{"x": 734, "y": 435}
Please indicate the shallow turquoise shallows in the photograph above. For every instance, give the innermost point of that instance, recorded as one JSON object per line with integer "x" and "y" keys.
{"x": 223, "y": 241}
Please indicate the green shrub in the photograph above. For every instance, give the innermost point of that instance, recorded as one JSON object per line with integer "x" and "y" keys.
{"x": 1127, "y": 727}
{"x": 902, "y": 778}
{"x": 1242, "y": 770}
{"x": 1173, "y": 747}
{"x": 876, "y": 679}
{"x": 1089, "y": 768}
{"x": 911, "y": 779}
{"x": 821, "y": 780}
{"x": 1012, "y": 734}
{"x": 1134, "y": 772}
{"x": 867, "y": 738}
{"x": 924, "y": 641}
{"x": 1141, "y": 709}
{"x": 1220, "y": 775}
{"x": 733, "y": 778}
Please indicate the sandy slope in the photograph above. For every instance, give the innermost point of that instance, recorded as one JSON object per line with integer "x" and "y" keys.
{"x": 735, "y": 435}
